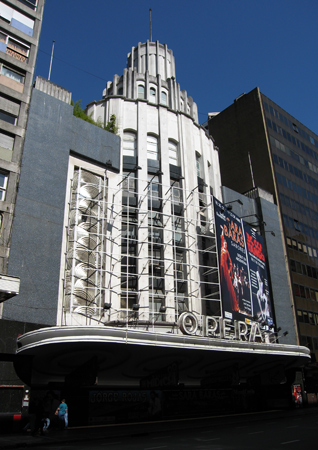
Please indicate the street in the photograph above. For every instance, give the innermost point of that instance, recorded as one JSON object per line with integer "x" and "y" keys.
{"x": 286, "y": 433}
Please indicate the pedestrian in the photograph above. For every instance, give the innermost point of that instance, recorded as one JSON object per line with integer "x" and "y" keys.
{"x": 60, "y": 412}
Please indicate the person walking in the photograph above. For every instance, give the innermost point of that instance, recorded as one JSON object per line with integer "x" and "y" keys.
{"x": 61, "y": 411}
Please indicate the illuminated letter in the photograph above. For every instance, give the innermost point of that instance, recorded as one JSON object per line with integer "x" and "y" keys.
{"x": 255, "y": 332}
{"x": 224, "y": 333}
{"x": 211, "y": 325}
{"x": 241, "y": 330}
{"x": 188, "y": 323}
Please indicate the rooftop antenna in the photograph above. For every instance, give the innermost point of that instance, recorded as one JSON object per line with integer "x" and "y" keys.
{"x": 150, "y": 26}
{"x": 51, "y": 61}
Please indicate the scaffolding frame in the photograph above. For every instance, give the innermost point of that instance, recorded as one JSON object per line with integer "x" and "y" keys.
{"x": 138, "y": 254}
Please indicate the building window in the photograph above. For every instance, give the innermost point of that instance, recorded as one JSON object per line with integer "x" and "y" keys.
{"x": 6, "y": 141}
{"x": 182, "y": 304}
{"x": 152, "y": 95}
{"x": 141, "y": 91}
{"x": 3, "y": 185}
{"x": 300, "y": 315}
{"x": 164, "y": 98}
{"x": 9, "y": 105}
{"x": 129, "y": 184}
{"x": 8, "y": 118}
{"x": 16, "y": 19}
{"x": 156, "y": 300}
{"x": 129, "y": 269}
{"x": 128, "y": 231}
{"x": 154, "y": 229}
{"x": 179, "y": 267}
{"x": 178, "y": 232}
{"x": 154, "y": 187}
{"x": 295, "y": 128}
{"x": 173, "y": 153}
{"x": 152, "y": 148}
{"x": 30, "y": 3}
{"x": 129, "y": 144}
{"x": 175, "y": 192}
{"x": 128, "y": 300}
{"x": 12, "y": 74}
{"x": 198, "y": 164}
{"x": 13, "y": 47}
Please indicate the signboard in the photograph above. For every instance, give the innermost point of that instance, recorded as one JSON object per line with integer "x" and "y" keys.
{"x": 122, "y": 405}
{"x": 261, "y": 304}
{"x": 243, "y": 275}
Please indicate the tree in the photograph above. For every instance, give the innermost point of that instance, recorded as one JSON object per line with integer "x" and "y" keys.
{"x": 111, "y": 125}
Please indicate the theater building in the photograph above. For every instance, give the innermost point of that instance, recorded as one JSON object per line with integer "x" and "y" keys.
{"x": 121, "y": 244}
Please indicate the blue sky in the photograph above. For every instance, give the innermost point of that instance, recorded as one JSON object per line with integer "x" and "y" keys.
{"x": 222, "y": 48}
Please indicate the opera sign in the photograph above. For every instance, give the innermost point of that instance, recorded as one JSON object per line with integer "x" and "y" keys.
{"x": 223, "y": 328}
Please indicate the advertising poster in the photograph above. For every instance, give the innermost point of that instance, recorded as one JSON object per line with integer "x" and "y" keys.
{"x": 234, "y": 276}
{"x": 261, "y": 302}
{"x": 243, "y": 274}
{"x": 298, "y": 398}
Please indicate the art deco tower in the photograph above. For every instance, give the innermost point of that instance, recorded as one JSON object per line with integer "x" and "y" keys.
{"x": 154, "y": 255}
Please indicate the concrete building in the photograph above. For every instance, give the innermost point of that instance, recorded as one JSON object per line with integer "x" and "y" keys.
{"x": 264, "y": 146}
{"x": 20, "y": 26}
{"x": 116, "y": 246}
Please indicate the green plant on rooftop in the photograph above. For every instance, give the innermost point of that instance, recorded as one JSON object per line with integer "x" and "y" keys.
{"x": 79, "y": 112}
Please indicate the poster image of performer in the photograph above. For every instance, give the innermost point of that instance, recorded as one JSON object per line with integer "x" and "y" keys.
{"x": 227, "y": 276}
{"x": 261, "y": 301}
{"x": 234, "y": 277}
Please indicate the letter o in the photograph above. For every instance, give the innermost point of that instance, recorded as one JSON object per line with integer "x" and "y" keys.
{"x": 188, "y": 323}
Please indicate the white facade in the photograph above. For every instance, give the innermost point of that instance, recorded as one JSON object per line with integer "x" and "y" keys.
{"x": 140, "y": 244}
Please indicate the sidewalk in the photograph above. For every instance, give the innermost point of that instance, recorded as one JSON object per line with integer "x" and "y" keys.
{"x": 104, "y": 432}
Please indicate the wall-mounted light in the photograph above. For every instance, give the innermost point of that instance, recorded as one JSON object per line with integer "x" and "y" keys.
{"x": 107, "y": 306}
{"x": 174, "y": 182}
{"x": 126, "y": 176}
{"x": 234, "y": 201}
{"x": 279, "y": 337}
{"x": 230, "y": 207}
{"x": 270, "y": 231}
{"x": 157, "y": 174}
{"x": 199, "y": 185}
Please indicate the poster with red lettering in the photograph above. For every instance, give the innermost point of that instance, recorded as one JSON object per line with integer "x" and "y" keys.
{"x": 233, "y": 264}
{"x": 243, "y": 275}
{"x": 261, "y": 301}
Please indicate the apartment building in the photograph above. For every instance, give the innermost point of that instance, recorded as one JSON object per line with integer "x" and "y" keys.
{"x": 20, "y": 26}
